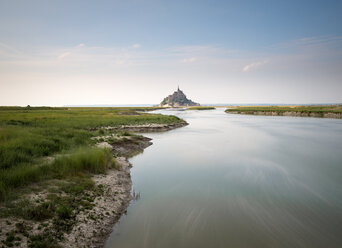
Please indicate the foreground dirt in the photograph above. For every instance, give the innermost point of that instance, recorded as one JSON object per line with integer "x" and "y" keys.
{"x": 92, "y": 232}
{"x": 117, "y": 185}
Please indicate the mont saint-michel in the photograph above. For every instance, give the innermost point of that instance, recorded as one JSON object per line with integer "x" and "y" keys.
{"x": 177, "y": 99}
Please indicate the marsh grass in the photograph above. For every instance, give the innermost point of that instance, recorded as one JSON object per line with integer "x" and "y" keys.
{"x": 25, "y": 144}
{"x": 82, "y": 118}
{"x": 30, "y": 133}
{"x": 83, "y": 160}
{"x": 201, "y": 108}
{"x": 319, "y": 109}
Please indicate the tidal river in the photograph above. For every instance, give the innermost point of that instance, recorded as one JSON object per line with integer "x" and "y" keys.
{"x": 237, "y": 181}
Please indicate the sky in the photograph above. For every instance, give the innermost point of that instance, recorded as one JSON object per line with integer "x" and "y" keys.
{"x": 82, "y": 52}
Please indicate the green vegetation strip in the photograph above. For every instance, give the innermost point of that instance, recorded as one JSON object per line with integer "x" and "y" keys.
{"x": 201, "y": 108}
{"x": 319, "y": 109}
{"x": 82, "y": 118}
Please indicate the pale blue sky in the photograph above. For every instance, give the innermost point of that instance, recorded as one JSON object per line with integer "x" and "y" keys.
{"x": 116, "y": 52}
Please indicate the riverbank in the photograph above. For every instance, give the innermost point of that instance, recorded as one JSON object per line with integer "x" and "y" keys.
{"x": 328, "y": 111}
{"x": 65, "y": 179}
{"x": 97, "y": 207}
{"x": 145, "y": 128}
{"x": 92, "y": 228}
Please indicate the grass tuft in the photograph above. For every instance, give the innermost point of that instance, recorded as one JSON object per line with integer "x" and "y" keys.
{"x": 88, "y": 160}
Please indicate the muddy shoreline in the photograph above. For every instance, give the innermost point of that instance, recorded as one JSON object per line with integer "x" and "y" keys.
{"x": 290, "y": 113}
{"x": 117, "y": 186}
{"x": 96, "y": 233}
{"x": 146, "y": 128}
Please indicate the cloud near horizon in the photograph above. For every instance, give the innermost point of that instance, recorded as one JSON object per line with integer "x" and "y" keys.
{"x": 189, "y": 60}
{"x": 254, "y": 65}
{"x": 136, "y": 45}
{"x": 63, "y": 55}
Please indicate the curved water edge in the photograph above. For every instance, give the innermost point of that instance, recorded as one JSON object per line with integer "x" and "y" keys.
{"x": 244, "y": 181}
{"x": 116, "y": 185}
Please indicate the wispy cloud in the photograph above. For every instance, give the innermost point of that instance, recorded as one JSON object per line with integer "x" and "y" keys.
{"x": 206, "y": 59}
{"x": 315, "y": 41}
{"x": 318, "y": 40}
{"x": 8, "y": 49}
{"x": 137, "y": 45}
{"x": 254, "y": 65}
{"x": 63, "y": 55}
{"x": 189, "y": 60}
{"x": 197, "y": 51}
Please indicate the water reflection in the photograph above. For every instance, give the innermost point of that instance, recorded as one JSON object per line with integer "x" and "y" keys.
{"x": 237, "y": 181}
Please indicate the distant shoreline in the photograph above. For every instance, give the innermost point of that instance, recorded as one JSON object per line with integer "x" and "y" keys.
{"x": 293, "y": 114}
{"x": 318, "y": 111}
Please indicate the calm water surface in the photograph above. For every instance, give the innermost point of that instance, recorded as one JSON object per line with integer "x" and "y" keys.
{"x": 237, "y": 181}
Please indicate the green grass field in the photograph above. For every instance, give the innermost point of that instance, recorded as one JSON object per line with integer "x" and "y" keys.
{"x": 28, "y": 135}
{"x": 200, "y": 108}
{"x": 320, "y": 109}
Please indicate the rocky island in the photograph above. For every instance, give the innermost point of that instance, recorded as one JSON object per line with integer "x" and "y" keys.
{"x": 177, "y": 99}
